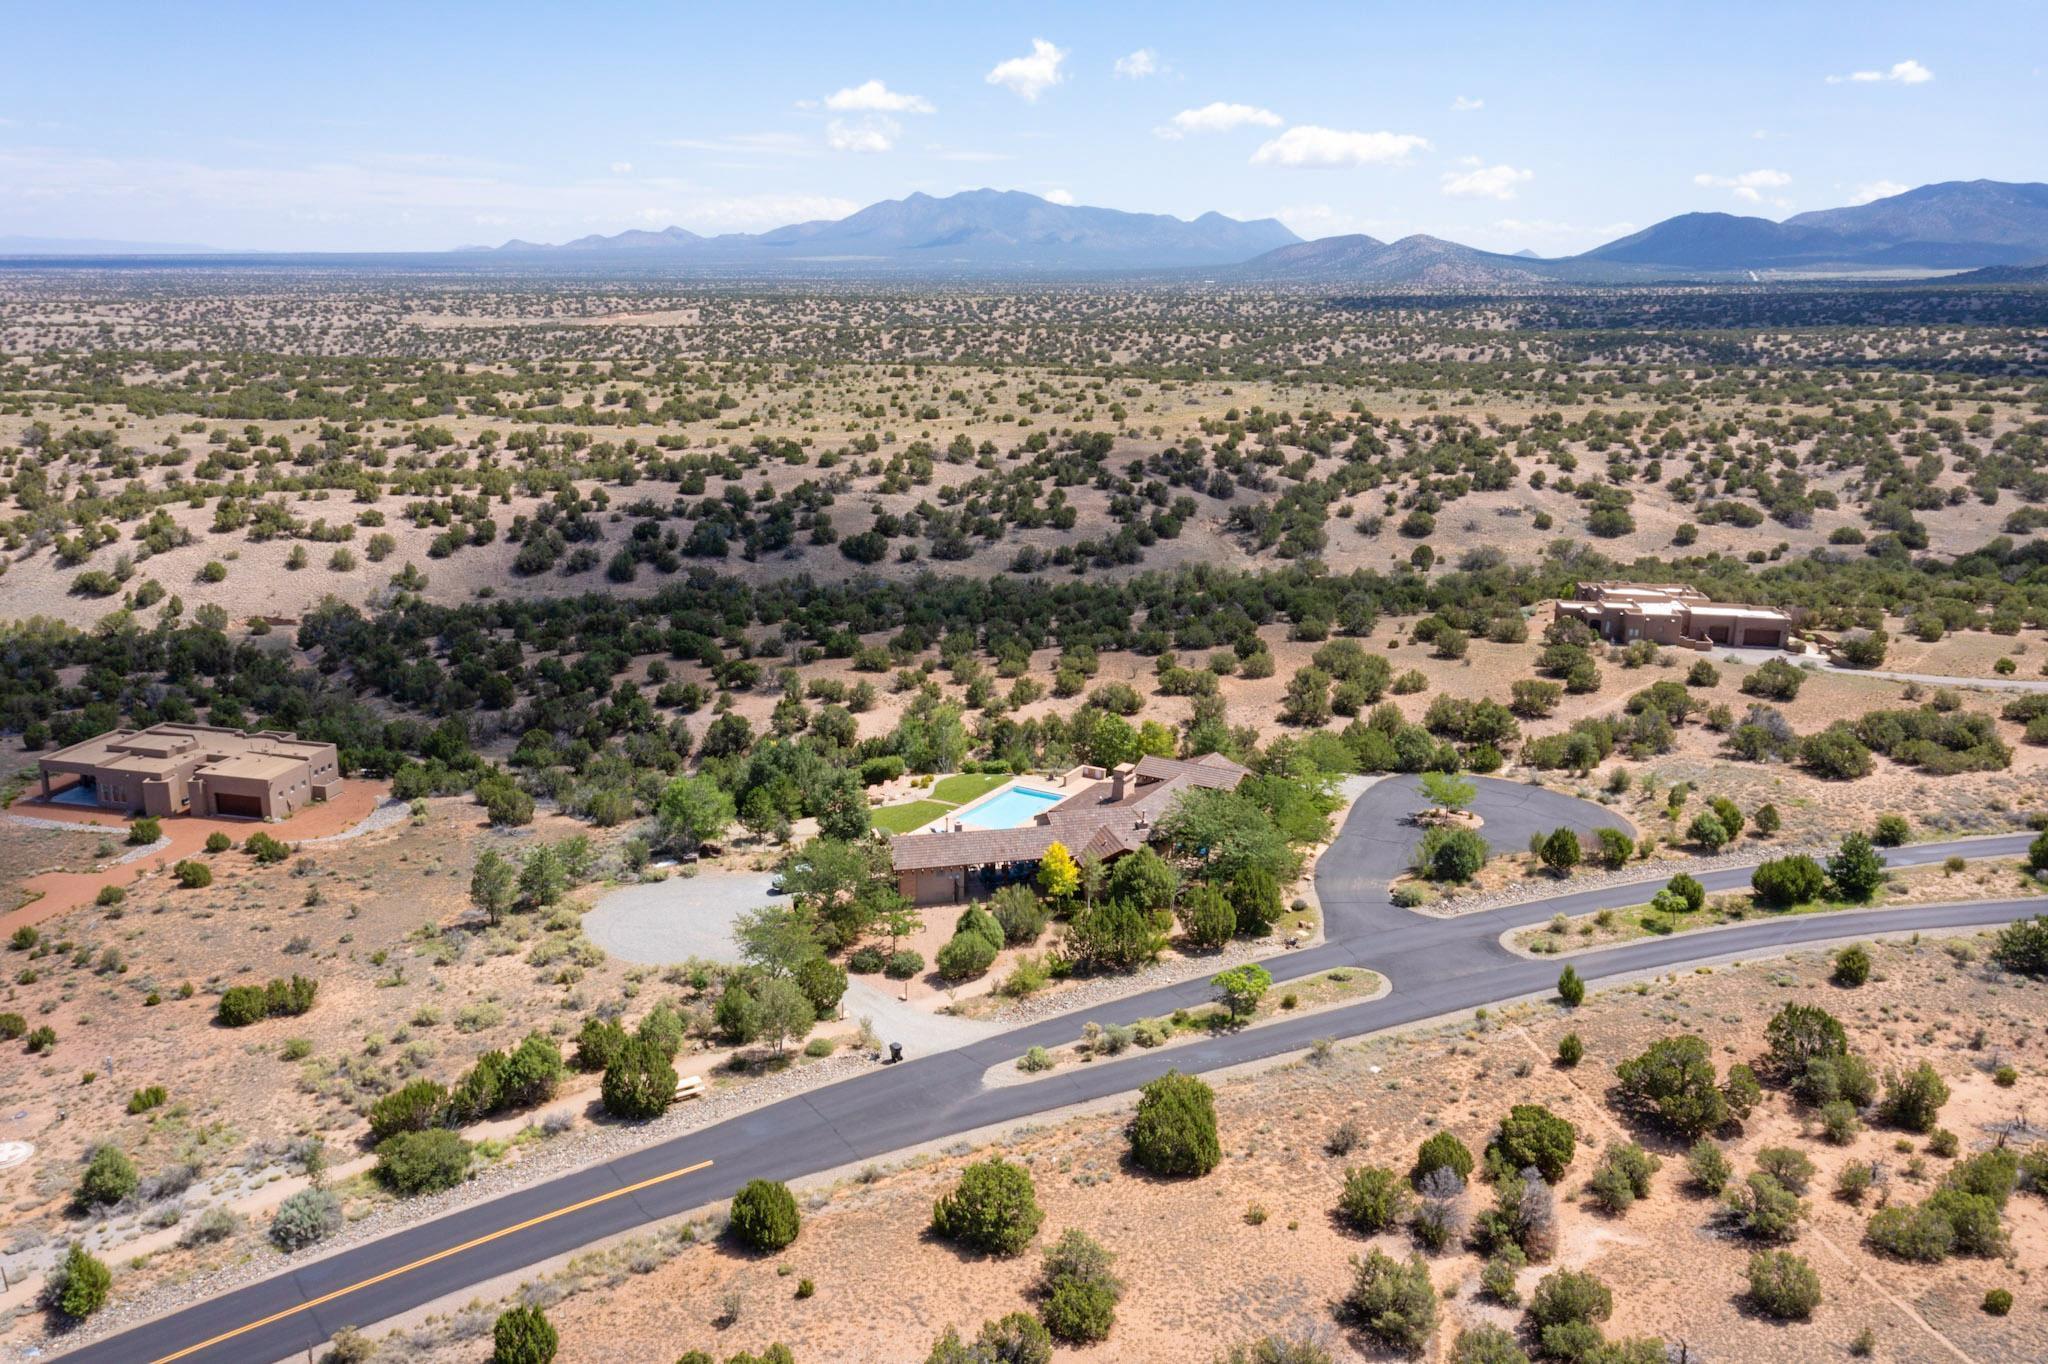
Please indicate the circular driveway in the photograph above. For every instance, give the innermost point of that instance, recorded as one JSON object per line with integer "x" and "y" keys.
{"x": 658, "y": 923}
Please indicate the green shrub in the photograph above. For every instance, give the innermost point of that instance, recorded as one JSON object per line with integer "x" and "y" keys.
{"x": 864, "y": 961}
{"x": 412, "y": 1163}
{"x": 411, "y": 1108}
{"x": 306, "y": 1218}
{"x": 599, "y": 1043}
{"x": 523, "y": 1335}
{"x": 1570, "y": 988}
{"x": 109, "y": 896}
{"x": 903, "y": 964}
{"x": 2022, "y": 946}
{"x": 1393, "y": 1302}
{"x": 1783, "y": 1285}
{"x": 1017, "y": 1338}
{"x": 640, "y": 1083}
{"x": 1998, "y": 1302}
{"x": 145, "y": 831}
{"x": 1570, "y": 1050}
{"x": 1485, "y": 1344}
{"x": 218, "y": 842}
{"x": 79, "y": 1284}
{"x": 1674, "y": 1082}
{"x": 1787, "y": 881}
{"x": 1913, "y": 1098}
{"x": 1566, "y": 1296}
{"x": 109, "y": 1177}
{"x": 764, "y": 1216}
{"x": 1079, "y": 1293}
{"x": 1021, "y": 915}
{"x": 1852, "y": 967}
{"x": 1174, "y": 1131}
{"x": 1708, "y": 1167}
{"x": 241, "y": 1005}
{"x": 994, "y": 1208}
{"x": 1764, "y": 1209}
{"x": 967, "y": 954}
{"x": 193, "y": 875}
{"x": 148, "y": 1097}
{"x": 12, "y": 1027}
{"x": 1449, "y": 854}
{"x": 1533, "y": 1136}
{"x": 1374, "y": 1199}
{"x": 1439, "y": 1151}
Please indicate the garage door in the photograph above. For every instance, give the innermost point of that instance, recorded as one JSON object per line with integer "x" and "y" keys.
{"x": 227, "y": 804}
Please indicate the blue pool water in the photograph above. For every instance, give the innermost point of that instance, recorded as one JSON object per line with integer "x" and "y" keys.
{"x": 1017, "y": 806}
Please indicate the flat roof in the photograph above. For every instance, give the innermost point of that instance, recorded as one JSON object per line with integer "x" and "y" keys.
{"x": 261, "y": 766}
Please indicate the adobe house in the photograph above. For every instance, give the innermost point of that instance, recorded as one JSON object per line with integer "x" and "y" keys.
{"x": 1673, "y": 613}
{"x": 1116, "y": 813}
{"x": 173, "y": 769}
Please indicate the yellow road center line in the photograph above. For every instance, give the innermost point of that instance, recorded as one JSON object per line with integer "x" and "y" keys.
{"x": 430, "y": 1259}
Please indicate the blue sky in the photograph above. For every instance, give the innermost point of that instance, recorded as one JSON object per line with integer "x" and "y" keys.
{"x": 1554, "y": 127}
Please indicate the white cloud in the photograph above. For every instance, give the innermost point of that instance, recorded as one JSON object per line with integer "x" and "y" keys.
{"x": 1138, "y": 65}
{"x": 1308, "y": 145}
{"x": 861, "y": 134}
{"x": 873, "y": 97}
{"x": 622, "y": 168}
{"x": 1030, "y": 76}
{"x": 1059, "y": 196}
{"x": 1464, "y": 104}
{"x": 1486, "y": 182}
{"x": 1748, "y": 186}
{"x": 1218, "y": 118}
{"x": 1877, "y": 189}
{"x": 1908, "y": 72}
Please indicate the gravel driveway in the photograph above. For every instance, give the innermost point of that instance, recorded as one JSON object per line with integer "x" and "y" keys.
{"x": 658, "y": 923}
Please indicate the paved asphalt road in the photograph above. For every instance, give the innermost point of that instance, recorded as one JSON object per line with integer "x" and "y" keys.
{"x": 1436, "y": 966}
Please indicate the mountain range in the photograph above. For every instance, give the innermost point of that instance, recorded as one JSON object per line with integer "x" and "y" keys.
{"x": 1953, "y": 226}
{"x": 1995, "y": 228}
{"x": 976, "y": 229}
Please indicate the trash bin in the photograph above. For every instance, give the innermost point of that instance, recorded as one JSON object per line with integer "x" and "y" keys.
{"x": 895, "y": 1052}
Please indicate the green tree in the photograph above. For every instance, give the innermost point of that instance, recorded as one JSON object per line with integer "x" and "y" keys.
{"x": 692, "y": 811}
{"x": 1561, "y": 851}
{"x": 1570, "y": 988}
{"x": 1674, "y": 1081}
{"x": 1242, "y": 987}
{"x": 1447, "y": 790}
{"x": 493, "y": 884}
{"x": 786, "y": 1011}
{"x": 1207, "y": 918}
{"x": 1856, "y": 869}
{"x": 1174, "y": 1132}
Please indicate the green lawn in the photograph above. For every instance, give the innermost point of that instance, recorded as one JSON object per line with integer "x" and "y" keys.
{"x": 901, "y": 819}
{"x": 962, "y": 787}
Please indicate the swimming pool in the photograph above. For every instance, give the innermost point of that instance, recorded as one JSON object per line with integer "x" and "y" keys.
{"x": 1011, "y": 809}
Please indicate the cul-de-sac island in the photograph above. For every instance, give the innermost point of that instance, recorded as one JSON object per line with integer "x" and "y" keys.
{"x": 986, "y": 780}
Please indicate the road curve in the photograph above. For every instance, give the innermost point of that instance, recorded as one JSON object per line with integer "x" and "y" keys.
{"x": 1436, "y": 966}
